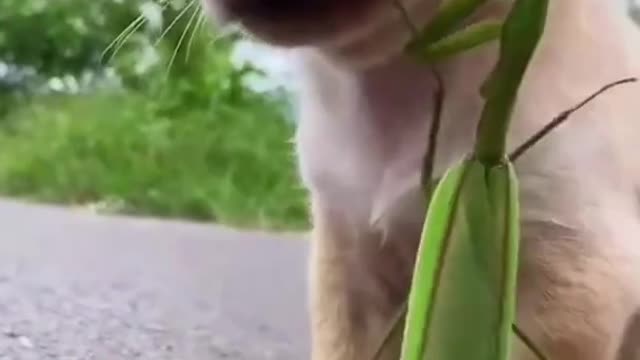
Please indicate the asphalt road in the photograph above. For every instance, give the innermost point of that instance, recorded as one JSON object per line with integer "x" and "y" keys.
{"x": 76, "y": 286}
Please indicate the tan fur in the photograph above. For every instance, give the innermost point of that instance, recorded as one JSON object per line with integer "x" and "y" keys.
{"x": 363, "y": 123}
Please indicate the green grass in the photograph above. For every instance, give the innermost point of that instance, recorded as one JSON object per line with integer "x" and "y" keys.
{"x": 233, "y": 164}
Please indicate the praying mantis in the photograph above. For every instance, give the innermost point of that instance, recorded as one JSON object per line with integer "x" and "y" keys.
{"x": 463, "y": 294}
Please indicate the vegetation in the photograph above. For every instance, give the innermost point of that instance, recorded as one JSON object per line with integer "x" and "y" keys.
{"x": 158, "y": 123}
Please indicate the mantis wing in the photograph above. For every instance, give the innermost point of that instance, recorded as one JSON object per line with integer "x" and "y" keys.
{"x": 462, "y": 300}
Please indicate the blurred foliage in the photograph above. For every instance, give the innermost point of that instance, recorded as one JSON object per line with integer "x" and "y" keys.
{"x": 158, "y": 122}
{"x": 62, "y": 36}
{"x": 225, "y": 164}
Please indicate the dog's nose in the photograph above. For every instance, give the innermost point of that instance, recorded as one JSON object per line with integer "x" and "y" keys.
{"x": 276, "y": 9}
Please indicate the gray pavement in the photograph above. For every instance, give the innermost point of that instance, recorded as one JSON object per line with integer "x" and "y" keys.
{"x": 76, "y": 286}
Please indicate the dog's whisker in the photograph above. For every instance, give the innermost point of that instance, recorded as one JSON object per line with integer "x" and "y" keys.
{"x": 175, "y": 20}
{"x": 122, "y": 38}
{"x": 201, "y": 20}
{"x": 189, "y": 25}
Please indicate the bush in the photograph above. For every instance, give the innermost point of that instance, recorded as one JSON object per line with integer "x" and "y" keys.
{"x": 229, "y": 162}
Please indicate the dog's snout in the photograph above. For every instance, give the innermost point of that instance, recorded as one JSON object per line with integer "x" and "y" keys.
{"x": 291, "y": 23}
{"x": 276, "y": 9}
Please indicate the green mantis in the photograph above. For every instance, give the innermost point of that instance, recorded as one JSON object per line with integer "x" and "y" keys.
{"x": 462, "y": 301}
{"x": 463, "y": 295}
{"x": 439, "y": 40}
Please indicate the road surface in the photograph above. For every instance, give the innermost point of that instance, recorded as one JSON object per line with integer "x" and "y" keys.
{"x": 76, "y": 286}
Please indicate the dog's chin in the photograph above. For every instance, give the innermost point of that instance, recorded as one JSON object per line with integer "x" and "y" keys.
{"x": 289, "y": 35}
{"x": 355, "y": 54}
{"x": 352, "y": 44}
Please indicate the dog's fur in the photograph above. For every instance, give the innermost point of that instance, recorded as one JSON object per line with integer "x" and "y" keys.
{"x": 364, "y": 117}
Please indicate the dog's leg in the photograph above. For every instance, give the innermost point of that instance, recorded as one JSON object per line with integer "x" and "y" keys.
{"x": 357, "y": 286}
{"x": 333, "y": 335}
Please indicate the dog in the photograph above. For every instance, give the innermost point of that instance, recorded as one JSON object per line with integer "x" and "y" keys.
{"x": 364, "y": 114}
